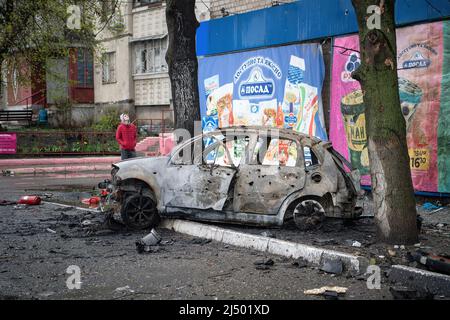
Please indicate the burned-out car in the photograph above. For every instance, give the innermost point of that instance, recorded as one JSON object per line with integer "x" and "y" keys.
{"x": 247, "y": 175}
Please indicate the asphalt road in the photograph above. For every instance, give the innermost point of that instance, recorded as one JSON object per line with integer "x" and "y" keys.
{"x": 34, "y": 260}
{"x": 13, "y": 187}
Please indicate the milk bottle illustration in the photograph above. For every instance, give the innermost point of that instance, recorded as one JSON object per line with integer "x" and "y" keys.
{"x": 291, "y": 101}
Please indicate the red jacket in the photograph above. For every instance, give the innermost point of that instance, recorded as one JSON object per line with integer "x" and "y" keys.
{"x": 126, "y": 136}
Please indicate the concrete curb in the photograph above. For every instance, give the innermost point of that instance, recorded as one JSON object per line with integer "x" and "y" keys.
{"x": 421, "y": 280}
{"x": 314, "y": 255}
{"x": 56, "y": 161}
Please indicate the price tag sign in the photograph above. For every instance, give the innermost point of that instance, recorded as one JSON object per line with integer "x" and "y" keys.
{"x": 419, "y": 159}
{"x": 8, "y": 143}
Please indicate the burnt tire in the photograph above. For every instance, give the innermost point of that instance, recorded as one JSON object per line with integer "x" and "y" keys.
{"x": 309, "y": 214}
{"x": 139, "y": 211}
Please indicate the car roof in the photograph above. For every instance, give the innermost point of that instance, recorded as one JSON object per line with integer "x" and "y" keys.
{"x": 287, "y": 133}
{"x": 255, "y": 129}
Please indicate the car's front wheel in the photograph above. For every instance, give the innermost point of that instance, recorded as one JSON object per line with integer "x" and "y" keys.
{"x": 139, "y": 211}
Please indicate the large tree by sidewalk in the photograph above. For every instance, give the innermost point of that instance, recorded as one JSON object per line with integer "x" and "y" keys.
{"x": 392, "y": 187}
{"x": 31, "y": 31}
{"x": 182, "y": 61}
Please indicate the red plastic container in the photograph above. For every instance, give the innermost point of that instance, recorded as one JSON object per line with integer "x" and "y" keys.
{"x": 92, "y": 201}
{"x": 30, "y": 200}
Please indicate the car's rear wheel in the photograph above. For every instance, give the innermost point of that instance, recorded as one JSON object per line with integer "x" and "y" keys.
{"x": 139, "y": 211}
{"x": 309, "y": 214}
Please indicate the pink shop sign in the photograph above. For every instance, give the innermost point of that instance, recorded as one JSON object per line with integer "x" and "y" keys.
{"x": 8, "y": 143}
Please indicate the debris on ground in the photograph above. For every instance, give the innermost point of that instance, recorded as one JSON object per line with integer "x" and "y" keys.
{"x": 322, "y": 290}
{"x": 268, "y": 234}
{"x": 46, "y": 294}
{"x": 300, "y": 263}
{"x": 151, "y": 239}
{"x": 362, "y": 277}
{"x": 262, "y": 267}
{"x": 356, "y": 244}
{"x": 432, "y": 262}
{"x": 124, "y": 289}
{"x": 325, "y": 241}
{"x": 140, "y": 248}
{"x": 93, "y": 202}
{"x": 428, "y": 206}
{"x": 353, "y": 243}
{"x": 7, "y": 203}
{"x": 392, "y": 253}
{"x": 405, "y": 293}
{"x": 333, "y": 266}
{"x": 330, "y": 295}
{"x": 264, "y": 264}
{"x": 200, "y": 241}
{"x": 20, "y": 206}
{"x": 46, "y": 195}
{"x": 86, "y": 223}
{"x": 64, "y": 209}
{"x": 50, "y": 230}
{"x": 30, "y": 200}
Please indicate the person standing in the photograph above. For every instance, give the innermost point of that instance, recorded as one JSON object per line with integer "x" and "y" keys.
{"x": 126, "y": 137}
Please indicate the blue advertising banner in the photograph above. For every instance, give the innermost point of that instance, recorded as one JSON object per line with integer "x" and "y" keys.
{"x": 275, "y": 87}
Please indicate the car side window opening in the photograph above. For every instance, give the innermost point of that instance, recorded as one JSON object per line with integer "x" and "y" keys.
{"x": 311, "y": 158}
{"x": 280, "y": 152}
{"x": 183, "y": 156}
{"x": 236, "y": 151}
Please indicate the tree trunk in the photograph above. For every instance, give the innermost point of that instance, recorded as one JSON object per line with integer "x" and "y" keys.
{"x": 392, "y": 187}
{"x": 3, "y": 84}
{"x": 182, "y": 61}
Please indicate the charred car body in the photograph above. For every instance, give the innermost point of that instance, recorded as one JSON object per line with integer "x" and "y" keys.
{"x": 248, "y": 175}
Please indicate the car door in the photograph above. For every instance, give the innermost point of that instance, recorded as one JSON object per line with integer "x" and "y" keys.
{"x": 195, "y": 184}
{"x": 274, "y": 171}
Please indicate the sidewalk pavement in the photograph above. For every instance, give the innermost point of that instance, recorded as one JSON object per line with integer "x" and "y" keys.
{"x": 56, "y": 161}
{"x": 57, "y": 165}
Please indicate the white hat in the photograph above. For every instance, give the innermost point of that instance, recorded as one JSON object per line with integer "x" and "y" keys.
{"x": 124, "y": 117}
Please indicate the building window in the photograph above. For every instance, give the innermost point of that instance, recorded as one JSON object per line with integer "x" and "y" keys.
{"x": 85, "y": 68}
{"x": 138, "y": 3}
{"x": 109, "y": 67}
{"x": 150, "y": 56}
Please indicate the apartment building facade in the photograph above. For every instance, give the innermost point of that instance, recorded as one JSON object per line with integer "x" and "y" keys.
{"x": 129, "y": 73}
{"x": 223, "y": 8}
{"x": 132, "y": 73}
{"x": 113, "y": 85}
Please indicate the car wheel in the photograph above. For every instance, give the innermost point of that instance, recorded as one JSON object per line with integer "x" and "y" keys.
{"x": 309, "y": 214}
{"x": 139, "y": 211}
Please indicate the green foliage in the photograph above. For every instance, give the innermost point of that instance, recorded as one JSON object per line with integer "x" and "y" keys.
{"x": 64, "y": 113}
{"x": 64, "y": 142}
{"x": 116, "y": 22}
{"x": 108, "y": 121}
{"x": 33, "y": 31}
